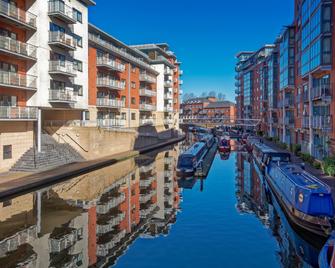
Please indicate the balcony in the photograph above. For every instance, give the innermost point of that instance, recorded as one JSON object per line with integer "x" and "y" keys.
{"x": 18, "y": 113}
{"x": 109, "y": 227}
{"x": 322, "y": 122}
{"x": 64, "y": 238}
{"x": 305, "y": 96}
{"x": 146, "y": 211}
{"x": 110, "y": 64}
{"x": 110, "y": 83}
{"x": 168, "y": 96}
{"x": 62, "y": 40}
{"x": 17, "y": 49}
{"x": 62, "y": 96}
{"x": 168, "y": 72}
{"x": 168, "y": 109}
{"x": 19, "y": 17}
{"x": 181, "y": 82}
{"x": 181, "y": 72}
{"x": 321, "y": 93}
{"x": 147, "y": 122}
{"x": 18, "y": 81}
{"x": 168, "y": 83}
{"x": 289, "y": 121}
{"x": 319, "y": 151}
{"x": 111, "y": 123}
{"x": 110, "y": 103}
{"x": 58, "y": 9}
{"x": 103, "y": 249}
{"x": 145, "y": 183}
{"x": 305, "y": 122}
{"x": 289, "y": 102}
{"x": 147, "y": 197}
{"x": 62, "y": 68}
{"x": 147, "y": 92}
{"x": 112, "y": 203}
{"x": 147, "y": 78}
{"x": 147, "y": 107}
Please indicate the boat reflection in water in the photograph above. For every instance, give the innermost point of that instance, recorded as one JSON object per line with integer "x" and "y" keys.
{"x": 254, "y": 196}
{"x": 91, "y": 219}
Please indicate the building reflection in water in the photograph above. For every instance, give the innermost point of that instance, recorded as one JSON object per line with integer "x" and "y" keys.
{"x": 254, "y": 197}
{"x": 91, "y": 219}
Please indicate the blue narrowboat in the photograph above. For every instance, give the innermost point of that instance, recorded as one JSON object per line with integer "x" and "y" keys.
{"x": 208, "y": 139}
{"x": 327, "y": 253}
{"x": 262, "y": 153}
{"x": 190, "y": 159}
{"x": 306, "y": 200}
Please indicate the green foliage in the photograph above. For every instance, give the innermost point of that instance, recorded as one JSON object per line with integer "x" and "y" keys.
{"x": 307, "y": 158}
{"x": 328, "y": 166}
{"x": 317, "y": 164}
{"x": 282, "y": 145}
{"x": 296, "y": 149}
{"x": 260, "y": 133}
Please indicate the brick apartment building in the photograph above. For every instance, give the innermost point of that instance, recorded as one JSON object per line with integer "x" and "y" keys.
{"x": 290, "y": 83}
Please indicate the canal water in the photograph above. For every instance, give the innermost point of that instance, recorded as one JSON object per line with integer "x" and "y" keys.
{"x": 137, "y": 213}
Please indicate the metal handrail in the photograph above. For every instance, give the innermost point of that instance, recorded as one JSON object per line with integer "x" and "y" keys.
{"x": 18, "y": 47}
{"x": 19, "y": 80}
{"x": 60, "y": 37}
{"x": 15, "y": 113}
{"x": 56, "y": 6}
{"x": 114, "y": 103}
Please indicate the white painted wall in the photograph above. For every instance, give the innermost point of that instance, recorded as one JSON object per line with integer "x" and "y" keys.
{"x": 160, "y": 86}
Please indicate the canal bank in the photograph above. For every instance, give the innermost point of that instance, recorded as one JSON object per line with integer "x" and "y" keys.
{"x": 20, "y": 183}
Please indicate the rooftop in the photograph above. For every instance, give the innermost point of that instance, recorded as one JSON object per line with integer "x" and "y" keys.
{"x": 219, "y": 104}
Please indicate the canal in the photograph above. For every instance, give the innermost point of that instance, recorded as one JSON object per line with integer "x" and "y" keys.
{"x": 137, "y": 213}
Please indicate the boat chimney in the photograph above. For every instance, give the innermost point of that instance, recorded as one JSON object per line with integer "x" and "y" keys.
{"x": 302, "y": 165}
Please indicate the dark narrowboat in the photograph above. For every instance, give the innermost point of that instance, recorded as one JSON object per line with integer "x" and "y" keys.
{"x": 224, "y": 146}
{"x": 208, "y": 139}
{"x": 191, "y": 158}
{"x": 327, "y": 253}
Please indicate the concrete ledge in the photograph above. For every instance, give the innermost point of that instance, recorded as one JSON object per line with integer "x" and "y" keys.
{"x": 34, "y": 181}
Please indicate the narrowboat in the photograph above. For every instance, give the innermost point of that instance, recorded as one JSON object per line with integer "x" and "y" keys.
{"x": 306, "y": 200}
{"x": 224, "y": 146}
{"x": 327, "y": 253}
{"x": 191, "y": 158}
{"x": 208, "y": 139}
{"x": 262, "y": 153}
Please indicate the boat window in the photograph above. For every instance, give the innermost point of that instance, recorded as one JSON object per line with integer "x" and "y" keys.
{"x": 186, "y": 162}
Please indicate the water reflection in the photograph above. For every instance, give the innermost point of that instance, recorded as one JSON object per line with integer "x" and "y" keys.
{"x": 296, "y": 249}
{"x": 91, "y": 219}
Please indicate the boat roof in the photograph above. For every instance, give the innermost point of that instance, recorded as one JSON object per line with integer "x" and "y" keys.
{"x": 264, "y": 148}
{"x": 304, "y": 179}
{"x": 194, "y": 149}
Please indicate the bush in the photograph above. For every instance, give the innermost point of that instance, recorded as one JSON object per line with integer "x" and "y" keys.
{"x": 260, "y": 133}
{"x": 317, "y": 164}
{"x": 282, "y": 145}
{"x": 296, "y": 149}
{"x": 328, "y": 166}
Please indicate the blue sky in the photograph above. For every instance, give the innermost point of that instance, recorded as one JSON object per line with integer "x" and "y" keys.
{"x": 205, "y": 35}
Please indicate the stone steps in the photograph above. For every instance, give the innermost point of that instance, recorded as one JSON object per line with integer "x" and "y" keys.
{"x": 52, "y": 154}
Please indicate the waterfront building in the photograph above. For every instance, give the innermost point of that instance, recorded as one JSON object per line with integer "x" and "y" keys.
{"x": 299, "y": 76}
{"x": 58, "y": 71}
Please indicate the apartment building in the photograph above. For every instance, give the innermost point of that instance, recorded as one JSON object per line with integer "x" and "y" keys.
{"x": 300, "y": 74}
{"x": 43, "y": 69}
{"x": 164, "y": 61}
{"x": 194, "y": 106}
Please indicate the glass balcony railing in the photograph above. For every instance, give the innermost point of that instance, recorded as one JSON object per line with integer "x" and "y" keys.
{"x": 62, "y": 39}
{"x": 16, "y": 80}
{"x": 147, "y": 92}
{"x": 110, "y": 83}
{"x": 58, "y": 9}
{"x": 17, "y": 15}
{"x": 62, "y": 95}
{"x": 21, "y": 49}
{"x": 147, "y": 121}
{"x": 305, "y": 122}
{"x": 111, "y": 64}
{"x": 147, "y": 107}
{"x": 147, "y": 78}
{"x": 18, "y": 113}
{"x": 321, "y": 92}
{"x": 112, "y": 103}
{"x": 111, "y": 123}
{"x": 322, "y": 122}
{"x": 62, "y": 67}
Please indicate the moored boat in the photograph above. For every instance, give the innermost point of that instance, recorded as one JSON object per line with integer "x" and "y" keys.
{"x": 208, "y": 139}
{"x": 306, "y": 200}
{"x": 327, "y": 253}
{"x": 191, "y": 159}
{"x": 224, "y": 145}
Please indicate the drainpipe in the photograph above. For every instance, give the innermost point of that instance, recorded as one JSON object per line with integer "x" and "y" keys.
{"x": 310, "y": 84}
{"x": 129, "y": 118}
{"x": 284, "y": 113}
{"x": 39, "y": 209}
{"x": 39, "y": 130}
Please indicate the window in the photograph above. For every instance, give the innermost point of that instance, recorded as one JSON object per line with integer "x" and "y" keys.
{"x": 57, "y": 85}
{"x": 77, "y": 15}
{"x": 78, "y": 40}
{"x": 133, "y": 116}
{"x": 133, "y": 100}
{"x": 8, "y": 100}
{"x": 123, "y": 116}
{"x": 7, "y": 152}
{"x": 78, "y": 90}
{"x": 7, "y": 67}
{"x": 133, "y": 68}
{"x": 133, "y": 177}
{"x": 78, "y": 65}
{"x": 133, "y": 84}
{"x": 123, "y": 98}
{"x": 56, "y": 28}
{"x": 6, "y": 33}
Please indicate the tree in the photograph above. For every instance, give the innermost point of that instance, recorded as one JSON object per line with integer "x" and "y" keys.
{"x": 221, "y": 96}
{"x": 212, "y": 94}
{"x": 203, "y": 94}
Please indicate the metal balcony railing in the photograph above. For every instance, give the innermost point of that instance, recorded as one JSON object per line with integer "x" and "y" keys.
{"x": 62, "y": 11}
{"x": 18, "y": 113}
{"x": 16, "y": 80}
{"x": 112, "y": 203}
{"x": 147, "y": 197}
{"x": 109, "y": 63}
{"x": 20, "y": 16}
{"x": 62, "y": 67}
{"x": 289, "y": 102}
{"x": 147, "y": 92}
{"x": 144, "y": 183}
{"x": 168, "y": 109}
{"x": 109, "y": 227}
{"x": 289, "y": 121}
{"x": 168, "y": 96}
{"x": 17, "y": 47}
{"x": 103, "y": 249}
{"x": 147, "y": 168}
{"x": 147, "y": 107}
{"x": 62, "y": 95}
{"x": 62, "y": 39}
{"x": 319, "y": 151}
{"x": 144, "y": 77}
{"x": 321, "y": 92}
{"x": 322, "y": 122}
{"x": 147, "y": 121}
{"x": 168, "y": 121}
{"x": 65, "y": 241}
{"x": 111, "y": 123}
{"x": 112, "y": 103}
{"x": 168, "y": 84}
{"x": 110, "y": 83}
